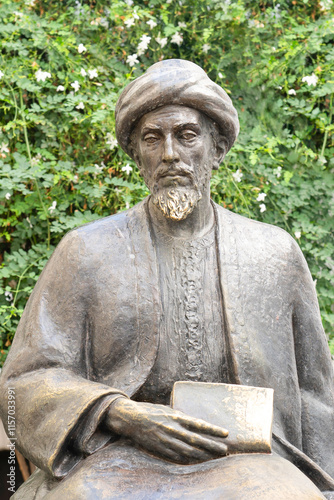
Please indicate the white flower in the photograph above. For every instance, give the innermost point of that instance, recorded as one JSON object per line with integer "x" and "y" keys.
{"x": 141, "y": 48}
{"x": 161, "y": 41}
{"x": 83, "y": 72}
{"x": 255, "y": 23}
{"x": 79, "y": 11}
{"x": 143, "y": 45}
{"x": 60, "y": 88}
{"x": 326, "y": 4}
{"x": 36, "y": 159}
{"x": 132, "y": 60}
{"x": 273, "y": 48}
{"x": 92, "y": 73}
{"x": 19, "y": 14}
{"x": 1, "y": 74}
{"x": 53, "y": 207}
{"x": 237, "y": 175}
{"x": 75, "y": 85}
{"x": 262, "y": 207}
{"x": 152, "y": 24}
{"x": 292, "y": 92}
{"x": 99, "y": 168}
{"x": 111, "y": 141}
{"x": 298, "y": 234}
{"x": 42, "y": 75}
{"x": 145, "y": 39}
{"x": 76, "y": 179}
{"x": 29, "y": 222}
{"x": 9, "y": 296}
{"x": 261, "y": 197}
{"x": 310, "y": 80}
{"x": 206, "y": 47}
{"x": 220, "y": 75}
{"x": 127, "y": 205}
{"x": 129, "y": 2}
{"x": 127, "y": 169}
{"x": 278, "y": 172}
{"x": 135, "y": 15}
{"x": 104, "y": 22}
{"x": 182, "y": 25}
{"x": 81, "y": 48}
{"x": 80, "y": 105}
{"x": 129, "y": 22}
{"x": 4, "y": 147}
{"x": 177, "y": 38}
{"x": 7, "y": 196}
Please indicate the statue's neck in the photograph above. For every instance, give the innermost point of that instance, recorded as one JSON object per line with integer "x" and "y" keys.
{"x": 197, "y": 224}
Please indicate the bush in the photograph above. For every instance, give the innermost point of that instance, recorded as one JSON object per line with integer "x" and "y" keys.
{"x": 63, "y": 66}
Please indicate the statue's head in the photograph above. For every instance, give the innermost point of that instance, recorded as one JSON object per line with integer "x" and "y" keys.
{"x": 177, "y": 125}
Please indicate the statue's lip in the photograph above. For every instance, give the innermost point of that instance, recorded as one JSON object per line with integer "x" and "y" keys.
{"x": 174, "y": 174}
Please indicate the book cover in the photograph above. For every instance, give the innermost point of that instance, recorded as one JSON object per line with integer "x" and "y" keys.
{"x": 246, "y": 412}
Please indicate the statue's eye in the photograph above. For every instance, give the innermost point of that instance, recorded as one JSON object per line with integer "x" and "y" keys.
{"x": 151, "y": 138}
{"x": 188, "y": 135}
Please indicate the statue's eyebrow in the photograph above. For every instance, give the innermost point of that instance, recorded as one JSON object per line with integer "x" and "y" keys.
{"x": 178, "y": 127}
{"x": 190, "y": 125}
{"x": 150, "y": 128}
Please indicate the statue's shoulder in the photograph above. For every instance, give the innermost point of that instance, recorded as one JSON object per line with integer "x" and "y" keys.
{"x": 107, "y": 231}
{"x": 255, "y": 233}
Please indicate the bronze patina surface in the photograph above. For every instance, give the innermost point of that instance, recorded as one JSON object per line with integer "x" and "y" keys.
{"x": 175, "y": 289}
{"x": 130, "y": 474}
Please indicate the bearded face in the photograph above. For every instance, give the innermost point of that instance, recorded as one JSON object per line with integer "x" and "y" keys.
{"x": 176, "y": 190}
{"x": 175, "y": 154}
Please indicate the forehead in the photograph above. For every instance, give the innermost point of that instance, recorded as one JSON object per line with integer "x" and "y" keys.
{"x": 171, "y": 116}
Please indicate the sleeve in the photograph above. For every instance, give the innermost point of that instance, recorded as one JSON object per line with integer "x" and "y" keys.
{"x": 315, "y": 369}
{"x": 58, "y": 410}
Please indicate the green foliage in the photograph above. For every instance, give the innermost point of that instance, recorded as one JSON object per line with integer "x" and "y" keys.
{"x": 63, "y": 66}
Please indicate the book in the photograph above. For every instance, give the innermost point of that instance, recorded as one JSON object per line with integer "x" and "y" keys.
{"x": 245, "y": 411}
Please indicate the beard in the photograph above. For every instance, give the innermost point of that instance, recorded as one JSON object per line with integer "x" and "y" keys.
{"x": 177, "y": 202}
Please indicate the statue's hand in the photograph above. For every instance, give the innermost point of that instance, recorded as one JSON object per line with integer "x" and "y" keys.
{"x": 165, "y": 432}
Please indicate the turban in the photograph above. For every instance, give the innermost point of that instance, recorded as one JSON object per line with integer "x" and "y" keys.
{"x": 174, "y": 81}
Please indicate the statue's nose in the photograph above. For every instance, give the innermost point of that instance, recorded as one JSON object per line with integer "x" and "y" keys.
{"x": 170, "y": 153}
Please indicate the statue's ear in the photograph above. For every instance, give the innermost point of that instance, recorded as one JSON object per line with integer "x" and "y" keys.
{"x": 220, "y": 153}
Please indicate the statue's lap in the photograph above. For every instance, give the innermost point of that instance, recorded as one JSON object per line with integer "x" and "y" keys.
{"x": 119, "y": 471}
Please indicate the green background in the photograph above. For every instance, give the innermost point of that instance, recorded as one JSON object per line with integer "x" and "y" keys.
{"x": 60, "y": 166}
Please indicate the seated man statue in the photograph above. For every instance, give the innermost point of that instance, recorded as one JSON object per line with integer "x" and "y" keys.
{"x": 175, "y": 289}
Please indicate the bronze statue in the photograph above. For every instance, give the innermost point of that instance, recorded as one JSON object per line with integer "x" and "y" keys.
{"x": 176, "y": 288}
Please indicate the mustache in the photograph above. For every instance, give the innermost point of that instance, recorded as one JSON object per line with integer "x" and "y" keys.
{"x": 173, "y": 169}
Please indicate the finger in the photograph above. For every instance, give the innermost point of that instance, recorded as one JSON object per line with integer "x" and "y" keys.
{"x": 203, "y": 427}
{"x": 168, "y": 454}
{"x": 204, "y": 443}
{"x": 185, "y": 452}
{"x": 195, "y": 439}
{"x": 164, "y": 451}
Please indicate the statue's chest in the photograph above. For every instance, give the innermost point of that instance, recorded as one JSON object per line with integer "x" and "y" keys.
{"x": 191, "y": 328}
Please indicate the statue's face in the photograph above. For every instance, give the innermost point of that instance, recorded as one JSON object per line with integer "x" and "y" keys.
{"x": 175, "y": 152}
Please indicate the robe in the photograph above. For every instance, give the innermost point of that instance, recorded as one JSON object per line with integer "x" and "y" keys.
{"x": 90, "y": 329}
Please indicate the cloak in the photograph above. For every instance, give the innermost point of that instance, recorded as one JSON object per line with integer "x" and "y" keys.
{"x": 90, "y": 329}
